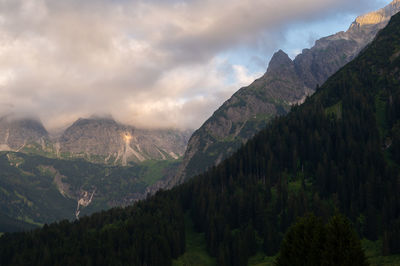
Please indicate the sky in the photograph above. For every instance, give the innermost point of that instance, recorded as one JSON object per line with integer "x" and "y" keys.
{"x": 149, "y": 63}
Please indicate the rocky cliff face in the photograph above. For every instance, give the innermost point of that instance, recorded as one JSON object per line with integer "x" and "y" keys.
{"x": 285, "y": 83}
{"x": 105, "y": 140}
{"x": 15, "y": 134}
{"x": 100, "y": 140}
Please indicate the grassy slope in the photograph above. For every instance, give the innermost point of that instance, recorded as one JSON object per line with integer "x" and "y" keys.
{"x": 196, "y": 253}
{"x": 373, "y": 253}
{"x": 155, "y": 170}
{"x": 261, "y": 260}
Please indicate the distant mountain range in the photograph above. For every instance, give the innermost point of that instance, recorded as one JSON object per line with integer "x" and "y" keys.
{"x": 95, "y": 164}
{"x": 99, "y": 140}
{"x": 286, "y": 83}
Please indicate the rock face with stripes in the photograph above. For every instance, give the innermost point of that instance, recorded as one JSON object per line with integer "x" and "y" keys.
{"x": 105, "y": 140}
{"x": 286, "y": 82}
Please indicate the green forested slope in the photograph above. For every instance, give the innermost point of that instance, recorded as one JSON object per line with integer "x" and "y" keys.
{"x": 339, "y": 150}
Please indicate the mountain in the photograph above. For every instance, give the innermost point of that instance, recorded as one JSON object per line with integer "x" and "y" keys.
{"x": 94, "y": 165}
{"x": 106, "y": 141}
{"x": 285, "y": 83}
{"x": 338, "y": 151}
{"x": 98, "y": 140}
{"x": 15, "y": 134}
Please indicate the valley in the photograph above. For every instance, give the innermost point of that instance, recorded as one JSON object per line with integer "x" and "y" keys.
{"x": 337, "y": 152}
{"x": 94, "y": 165}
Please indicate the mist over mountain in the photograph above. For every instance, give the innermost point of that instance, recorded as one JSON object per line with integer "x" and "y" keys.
{"x": 96, "y": 139}
{"x": 15, "y": 133}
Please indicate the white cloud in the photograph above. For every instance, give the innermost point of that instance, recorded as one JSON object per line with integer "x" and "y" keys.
{"x": 149, "y": 63}
{"x": 243, "y": 77}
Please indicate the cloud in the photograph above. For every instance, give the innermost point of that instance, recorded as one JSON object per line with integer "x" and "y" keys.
{"x": 148, "y": 63}
{"x": 243, "y": 76}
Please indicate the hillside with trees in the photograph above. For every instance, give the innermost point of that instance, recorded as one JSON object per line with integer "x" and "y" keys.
{"x": 35, "y": 190}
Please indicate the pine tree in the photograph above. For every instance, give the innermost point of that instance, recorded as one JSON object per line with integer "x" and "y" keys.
{"x": 342, "y": 246}
{"x": 303, "y": 243}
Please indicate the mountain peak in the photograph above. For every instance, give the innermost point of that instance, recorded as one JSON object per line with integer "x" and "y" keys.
{"x": 15, "y": 133}
{"x": 278, "y": 60}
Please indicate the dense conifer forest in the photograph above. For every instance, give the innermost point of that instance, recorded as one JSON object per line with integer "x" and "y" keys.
{"x": 340, "y": 150}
